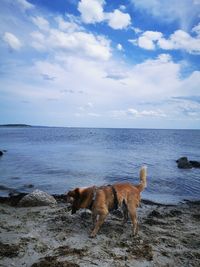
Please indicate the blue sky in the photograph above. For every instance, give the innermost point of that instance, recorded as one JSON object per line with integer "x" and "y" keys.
{"x": 97, "y": 63}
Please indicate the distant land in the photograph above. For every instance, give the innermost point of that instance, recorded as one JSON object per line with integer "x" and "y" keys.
{"x": 15, "y": 125}
{"x": 21, "y": 125}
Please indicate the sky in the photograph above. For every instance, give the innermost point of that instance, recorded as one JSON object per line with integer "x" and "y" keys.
{"x": 100, "y": 63}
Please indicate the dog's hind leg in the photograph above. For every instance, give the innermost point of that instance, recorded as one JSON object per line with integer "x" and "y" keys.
{"x": 125, "y": 212}
{"x": 133, "y": 217}
{"x": 100, "y": 220}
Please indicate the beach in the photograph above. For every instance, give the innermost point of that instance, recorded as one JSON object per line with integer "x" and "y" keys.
{"x": 169, "y": 235}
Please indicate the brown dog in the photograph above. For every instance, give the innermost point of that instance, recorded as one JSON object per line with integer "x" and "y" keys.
{"x": 101, "y": 200}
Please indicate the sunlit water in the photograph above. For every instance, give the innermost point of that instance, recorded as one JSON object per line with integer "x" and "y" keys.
{"x": 57, "y": 159}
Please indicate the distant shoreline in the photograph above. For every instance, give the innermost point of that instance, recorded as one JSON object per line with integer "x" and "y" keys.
{"x": 15, "y": 125}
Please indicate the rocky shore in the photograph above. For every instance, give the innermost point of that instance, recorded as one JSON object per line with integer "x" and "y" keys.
{"x": 49, "y": 236}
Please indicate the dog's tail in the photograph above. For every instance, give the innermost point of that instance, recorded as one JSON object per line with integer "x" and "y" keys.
{"x": 143, "y": 178}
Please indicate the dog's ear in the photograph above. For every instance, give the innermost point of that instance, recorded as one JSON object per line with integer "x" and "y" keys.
{"x": 73, "y": 193}
{"x": 76, "y": 202}
{"x": 76, "y": 193}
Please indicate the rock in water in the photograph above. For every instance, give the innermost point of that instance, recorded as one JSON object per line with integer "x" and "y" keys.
{"x": 195, "y": 164}
{"x": 1, "y": 153}
{"x": 183, "y": 163}
{"x": 37, "y": 198}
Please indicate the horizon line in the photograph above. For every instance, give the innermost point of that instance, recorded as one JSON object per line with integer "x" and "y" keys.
{"x": 15, "y": 125}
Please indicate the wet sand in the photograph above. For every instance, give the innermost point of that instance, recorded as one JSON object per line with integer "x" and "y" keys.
{"x": 52, "y": 237}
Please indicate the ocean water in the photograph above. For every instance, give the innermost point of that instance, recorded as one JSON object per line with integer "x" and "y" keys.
{"x": 58, "y": 159}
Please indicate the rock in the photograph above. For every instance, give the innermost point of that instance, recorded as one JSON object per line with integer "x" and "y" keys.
{"x": 195, "y": 164}
{"x": 183, "y": 163}
{"x": 28, "y": 186}
{"x": 155, "y": 213}
{"x": 12, "y": 199}
{"x": 1, "y": 153}
{"x": 175, "y": 212}
{"x": 37, "y": 198}
{"x": 8, "y": 250}
{"x": 52, "y": 261}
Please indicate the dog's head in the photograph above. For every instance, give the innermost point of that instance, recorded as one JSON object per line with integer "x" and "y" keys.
{"x": 73, "y": 197}
{"x": 79, "y": 198}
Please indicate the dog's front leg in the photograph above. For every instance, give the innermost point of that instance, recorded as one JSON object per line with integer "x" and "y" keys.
{"x": 94, "y": 218}
{"x": 100, "y": 220}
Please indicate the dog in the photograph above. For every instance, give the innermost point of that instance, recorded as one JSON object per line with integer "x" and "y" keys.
{"x": 101, "y": 200}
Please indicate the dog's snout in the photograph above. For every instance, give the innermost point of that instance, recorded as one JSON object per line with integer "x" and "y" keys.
{"x": 70, "y": 200}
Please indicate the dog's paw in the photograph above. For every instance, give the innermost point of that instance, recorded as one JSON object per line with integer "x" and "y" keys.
{"x": 134, "y": 233}
{"x": 92, "y": 235}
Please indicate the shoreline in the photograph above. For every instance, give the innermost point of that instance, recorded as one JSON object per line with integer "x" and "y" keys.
{"x": 14, "y": 196}
{"x": 169, "y": 235}
{"x": 13, "y": 200}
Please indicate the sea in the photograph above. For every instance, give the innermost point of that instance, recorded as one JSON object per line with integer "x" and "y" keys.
{"x": 56, "y": 159}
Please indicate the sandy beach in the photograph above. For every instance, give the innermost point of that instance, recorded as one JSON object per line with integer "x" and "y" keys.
{"x": 51, "y": 236}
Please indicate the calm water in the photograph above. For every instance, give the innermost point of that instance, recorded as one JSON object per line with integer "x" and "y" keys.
{"x": 57, "y": 159}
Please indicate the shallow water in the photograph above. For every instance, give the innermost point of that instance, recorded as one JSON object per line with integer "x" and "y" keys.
{"x": 57, "y": 159}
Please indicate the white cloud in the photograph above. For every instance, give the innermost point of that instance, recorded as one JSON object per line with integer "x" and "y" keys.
{"x": 136, "y": 113}
{"x": 67, "y": 25}
{"x": 196, "y": 29}
{"x": 72, "y": 39}
{"x": 41, "y": 23}
{"x": 136, "y": 30}
{"x": 181, "y": 40}
{"x": 120, "y": 47}
{"x": 132, "y": 112}
{"x": 45, "y": 68}
{"x": 146, "y": 43}
{"x": 92, "y": 11}
{"x": 86, "y": 110}
{"x": 25, "y": 5}
{"x": 133, "y": 41}
{"x": 186, "y": 107}
{"x": 147, "y": 39}
{"x": 145, "y": 93}
{"x": 93, "y": 114}
{"x": 152, "y": 35}
{"x": 183, "y": 11}
{"x": 86, "y": 107}
{"x": 38, "y": 40}
{"x": 12, "y": 41}
{"x": 178, "y": 40}
{"x": 155, "y": 80}
{"x": 122, "y": 7}
{"x": 81, "y": 42}
{"x": 118, "y": 20}
{"x": 164, "y": 58}
{"x": 86, "y": 114}
{"x": 152, "y": 113}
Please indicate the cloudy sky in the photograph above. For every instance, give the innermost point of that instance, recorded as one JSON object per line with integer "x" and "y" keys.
{"x": 100, "y": 63}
